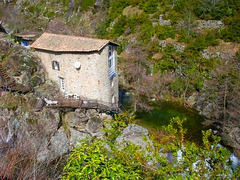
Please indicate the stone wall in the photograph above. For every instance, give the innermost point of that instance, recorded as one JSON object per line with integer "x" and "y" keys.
{"x": 212, "y": 24}
{"x": 91, "y": 81}
{"x": 220, "y": 55}
{"x": 178, "y": 46}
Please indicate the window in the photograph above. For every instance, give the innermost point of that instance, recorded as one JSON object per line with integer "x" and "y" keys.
{"x": 111, "y": 83}
{"x": 55, "y": 65}
{"x": 111, "y": 63}
{"x": 113, "y": 99}
{"x": 110, "y": 56}
{"x": 62, "y": 84}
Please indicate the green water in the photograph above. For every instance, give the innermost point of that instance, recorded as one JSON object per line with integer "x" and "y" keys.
{"x": 164, "y": 111}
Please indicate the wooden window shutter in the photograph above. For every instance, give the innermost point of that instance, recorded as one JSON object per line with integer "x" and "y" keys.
{"x": 58, "y": 66}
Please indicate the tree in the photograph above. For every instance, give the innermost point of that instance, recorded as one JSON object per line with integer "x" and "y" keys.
{"x": 189, "y": 20}
{"x": 222, "y": 91}
{"x": 139, "y": 79}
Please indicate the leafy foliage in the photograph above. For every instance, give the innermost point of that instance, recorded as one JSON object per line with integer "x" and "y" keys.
{"x": 149, "y": 6}
{"x": 232, "y": 31}
{"x": 99, "y": 159}
{"x": 164, "y": 32}
{"x": 92, "y": 161}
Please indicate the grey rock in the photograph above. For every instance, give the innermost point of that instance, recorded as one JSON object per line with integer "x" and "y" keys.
{"x": 164, "y": 22}
{"x": 76, "y": 119}
{"x": 98, "y": 134}
{"x": 135, "y": 134}
{"x": 76, "y": 136}
{"x": 59, "y": 143}
{"x": 220, "y": 55}
{"x": 134, "y": 128}
{"x": 192, "y": 99}
{"x": 212, "y": 24}
{"x": 176, "y": 45}
{"x": 207, "y": 110}
{"x": 39, "y": 105}
{"x": 94, "y": 125}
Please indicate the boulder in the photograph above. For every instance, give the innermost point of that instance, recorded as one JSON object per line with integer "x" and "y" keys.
{"x": 94, "y": 125}
{"x": 76, "y": 119}
{"x": 135, "y": 134}
{"x": 76, "y": 136}
{"x": 56, "y": 147}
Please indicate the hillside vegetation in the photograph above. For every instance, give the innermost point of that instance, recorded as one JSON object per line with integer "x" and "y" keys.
{"x": 169, "y": 49}
{"x": 179, "y": 50}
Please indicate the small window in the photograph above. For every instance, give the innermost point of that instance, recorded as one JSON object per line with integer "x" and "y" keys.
{"x": 55, "y": 65}
{"x": 112, "y": 83}
{"x": 62, "y": 84}
{"x": 113, "y": 99}
{"x": 110, "y": 57}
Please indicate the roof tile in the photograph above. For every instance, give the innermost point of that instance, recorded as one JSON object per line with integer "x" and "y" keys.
{"x": 66, "y": 43}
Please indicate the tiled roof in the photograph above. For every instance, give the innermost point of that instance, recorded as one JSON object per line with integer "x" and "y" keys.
{"x": 65, "y": 43}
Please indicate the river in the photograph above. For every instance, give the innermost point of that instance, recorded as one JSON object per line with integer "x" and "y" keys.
{"x": 161, "y": 114}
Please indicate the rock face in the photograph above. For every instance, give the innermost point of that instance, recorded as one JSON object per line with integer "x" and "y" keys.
{"x": 229, "y": 130}
{"x": 5, "y": 43}
{"x": 231, "y": 137}
{"x": 135, "y": 133}
{"x": 163, "y": 22}
{"x": 178, "y": 46}
{"x": 44, "y": 132}
{"x": 76, "y": 125}
{"x": 220, "y": 55}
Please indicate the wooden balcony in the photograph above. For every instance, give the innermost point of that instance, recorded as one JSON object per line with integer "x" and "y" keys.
{"x": 64, "y": 103}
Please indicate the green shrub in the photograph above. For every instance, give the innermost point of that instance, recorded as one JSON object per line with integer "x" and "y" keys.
{"x": 93, "y": 161}
{"x": 166, "y": 63}
{"x": 149, "y": 6}
{"x": 232, "y": 30}
{"x": 138, "y": 21}
{"x": 86, "y": 3}
{"x": 119, "y": 27}
{"x": 174, "y": 16}
{"x": 146, "y": 33}
{"x": 117, "y": 7}
{"x": 101, "y": 159}
{"x": 202, "y": 41}
{"x": 164, "y": 32}
{"x": 183, "y": 37}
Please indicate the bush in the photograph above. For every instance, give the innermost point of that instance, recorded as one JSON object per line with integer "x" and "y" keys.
{"x": 116, "y": 8}
{"x": 139, "y": 22}
{"x": 202, "y": 41}
{"x": 149, "y": 6}
{"x": 86, "y": 3}
{"x": 101, "y": 159}
{"x": 119, "y": 27}
{"x": 232, "y": 31}
{"x": 93, "y": 161}
{"x": 164, "y": 32}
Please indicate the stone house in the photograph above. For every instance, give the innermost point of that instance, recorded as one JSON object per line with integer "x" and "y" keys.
{"x": 82, "y": 67}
